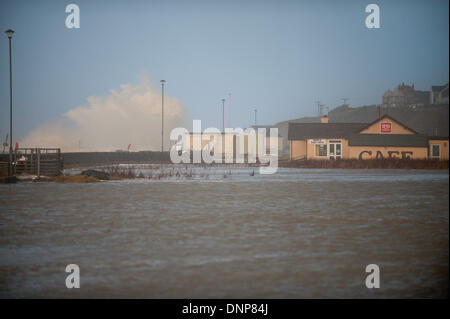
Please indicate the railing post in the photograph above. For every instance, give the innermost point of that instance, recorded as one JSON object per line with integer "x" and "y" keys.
{"x": 38, "y": 151}
{"x": 31, "y": 161}
{"x": 59, "y": 161}
{"x": 14, "y": 161}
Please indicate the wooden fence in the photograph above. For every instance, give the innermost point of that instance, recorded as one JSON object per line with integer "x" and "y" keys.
{"x": 38, "y": 161}
{"x": 3, "y": 169}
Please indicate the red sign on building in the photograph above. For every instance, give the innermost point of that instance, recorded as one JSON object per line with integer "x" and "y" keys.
{"x": 386, "y": 127}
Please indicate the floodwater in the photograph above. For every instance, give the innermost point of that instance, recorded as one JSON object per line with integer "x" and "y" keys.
{"x": 296, "y": 234}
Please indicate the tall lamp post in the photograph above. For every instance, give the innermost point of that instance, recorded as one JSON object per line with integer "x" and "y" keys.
{"x": 223, "y": 115}
{"x": 229, "y": 110}
{"x": 162, "y": 119}
{"x": 10, "y": 33}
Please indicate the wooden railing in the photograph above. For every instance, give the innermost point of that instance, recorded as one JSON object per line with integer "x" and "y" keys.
{"x": 3, "y": 169}
{"x": 38, "y": 161}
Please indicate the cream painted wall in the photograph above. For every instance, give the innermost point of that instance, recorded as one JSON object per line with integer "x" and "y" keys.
{"x": 395, "y": 127}
{"x": 417, "y": 152}
{"x": 444, "y": 148}
{"x": 344, "y": 149}
{"x": 298, "y": 149}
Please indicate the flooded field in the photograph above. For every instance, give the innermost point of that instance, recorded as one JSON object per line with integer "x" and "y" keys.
{"x": 226, "y": 234}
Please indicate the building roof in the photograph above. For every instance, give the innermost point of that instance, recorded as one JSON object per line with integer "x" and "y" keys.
{"x": 301, "y": 131}
{"x": 439, "y": 88}
{"x": 386, "y": 116}
{"x": 436, "y": 138}
{"x": 267, "y": 127}
{"x": 399, "y": 140}
{"x": 352, "y": 131}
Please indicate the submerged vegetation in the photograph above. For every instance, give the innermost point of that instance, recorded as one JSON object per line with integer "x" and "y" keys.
{"x": 117, "y": 172}
{"x": 168, "y": 172}
{"x": 78, "y": 178}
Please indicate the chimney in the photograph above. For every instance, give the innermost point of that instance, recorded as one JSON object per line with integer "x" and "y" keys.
{"x": 378, "y": 112}
{"x": 324, "y": 119}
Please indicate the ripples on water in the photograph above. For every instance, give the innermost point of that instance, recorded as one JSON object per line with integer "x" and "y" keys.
{"x": 295, "y": 234}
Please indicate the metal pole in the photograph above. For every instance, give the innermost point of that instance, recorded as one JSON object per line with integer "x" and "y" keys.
{"x": 10, "y": 110}
{"x": 229, "y": 110}
{"x": 162, "y": 117}
{"x": 162, "y": 120}
{"x": 38, "y": 151}
{"x": 255, "y": 115}
{"x": 223, "y": 115}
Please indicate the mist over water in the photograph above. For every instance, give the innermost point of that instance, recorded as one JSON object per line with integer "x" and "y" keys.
{"x": 294, "y": 234}
{"x": 129, "y": 115}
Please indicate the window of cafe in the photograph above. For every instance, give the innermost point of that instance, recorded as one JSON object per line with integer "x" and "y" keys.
{"x": 321, "y": 150}
{"x": 435, "y": 151}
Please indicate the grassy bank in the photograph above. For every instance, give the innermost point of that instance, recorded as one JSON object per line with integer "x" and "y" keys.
{"x": 70, "y": 179}
{"x": 355, "y": 163}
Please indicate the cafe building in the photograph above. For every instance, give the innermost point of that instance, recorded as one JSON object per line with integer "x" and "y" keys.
{"x": 384, "y": 138}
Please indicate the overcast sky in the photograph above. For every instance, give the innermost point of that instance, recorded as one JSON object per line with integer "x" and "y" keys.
{"x": 277, "y": 56}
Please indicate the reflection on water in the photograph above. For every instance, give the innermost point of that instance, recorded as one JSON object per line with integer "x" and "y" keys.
{"x": 298, "y": 233}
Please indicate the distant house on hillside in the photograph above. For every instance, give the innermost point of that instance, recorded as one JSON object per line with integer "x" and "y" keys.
{"x": 405, "y": 95}
{"x": 439, "y": 94}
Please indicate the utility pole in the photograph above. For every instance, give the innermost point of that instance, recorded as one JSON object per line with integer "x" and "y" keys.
{"x": 256, "y": 111}
{"x": 162, "y": 119}
{"x": 10, "y": 33}
{"x": 320, "y": 108}
{"x": 229, "y": 110}
{"x": 223, "y": 115}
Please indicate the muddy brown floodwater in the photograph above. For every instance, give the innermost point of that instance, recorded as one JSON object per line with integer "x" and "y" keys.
{"x": 295, "y": 234}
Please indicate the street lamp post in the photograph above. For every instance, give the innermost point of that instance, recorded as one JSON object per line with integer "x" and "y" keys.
{"x": 223, "y": 115}
{"x": 229, "y": 110}
{"x": 162, "y": 119}
{"x": 256, "y": 111}
{"x": 10, "y": 33}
